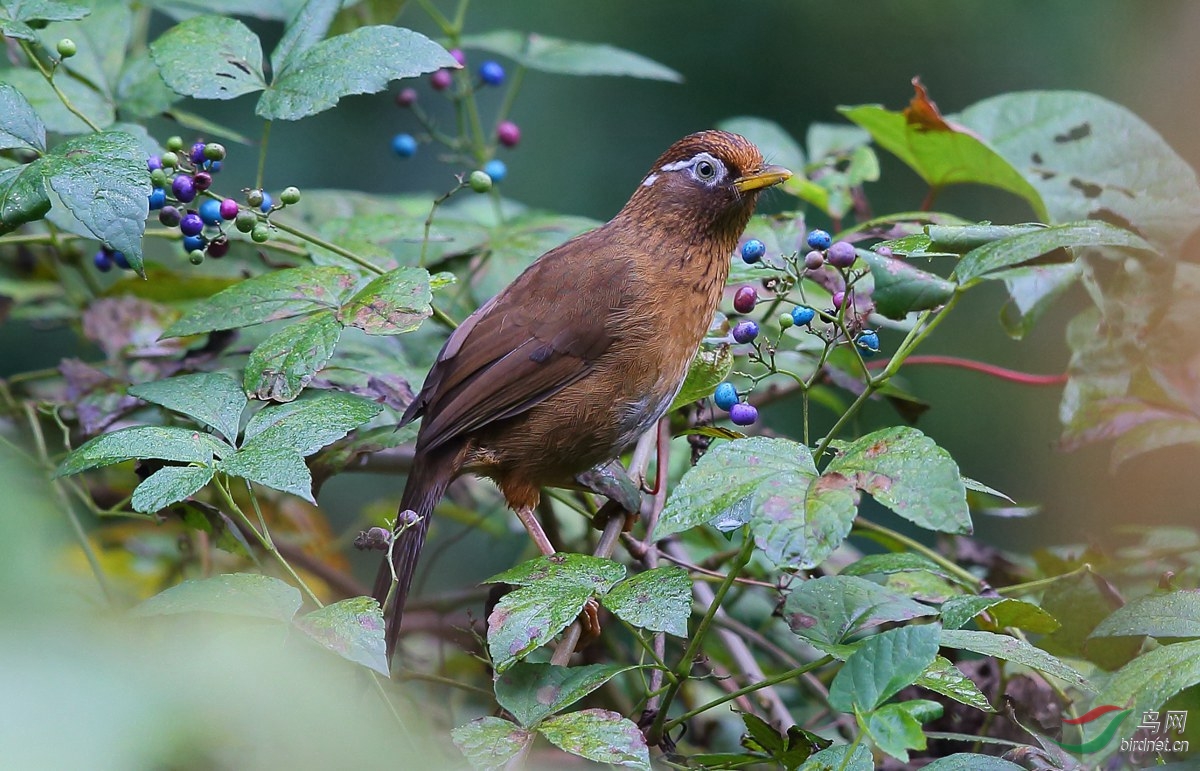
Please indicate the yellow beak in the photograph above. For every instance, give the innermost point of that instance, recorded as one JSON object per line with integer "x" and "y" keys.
{"x": 764, "y": 177}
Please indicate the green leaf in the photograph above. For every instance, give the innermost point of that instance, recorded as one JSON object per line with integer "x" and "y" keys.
{"x": 943, "y": 677}
{"x": 1148, "y": 681}
{"x": 834, "y": 759}
{"x": 233, "y": 594}
{"x": 141, "y": 91}
{"x": 567, "y": 57}
{"x": 1015, "y": 250}
{"x": 707, "y": 370}
{"x": 945, "y": 155}
{"x": 1081, "y": 601}
{"x": 659, "y": 600}
{"x": 901, "y": 289}
{"x": 1018, "y": 651}
{"x": 213, "y": 398}
{"x": 20, "y": 125}
{"x": 282, "y": 365}
{"x": 1031, "y": 291}
{"x": 183, "y": 445}
{"x": 276, "y": 295}
{"x": 892, "y": 562}
{"x": 169, "y": 485}
{"x": 599, "y": 735}
{"x": 797, "y": 518}
{"x": 553, "y": 591}
{"x": 894, "y": 730}
{"x": 352, "y": 628}
{"x": 969, "y": 761}
{"x": 280, "y": 468}
{"x": 305, "y": 29}
{"x": 210, "y": 57}
{"x": 360, "y": 62}
{"x": 43, "y": 10}
{"x": 882, "y": 665}
{"x": 396, "y": 302}
{"x": 1173, "y": 614}
{"x": 1092, "y": 159}
{"x": 533, "y": 691}
{"x": 907, "y": 472}
{"x": 830, "y": 609}
{"x": 22, "y": 196}
{"x": 50, "y": 108}
{"x": 101, "y": 178}
{"x": 1004, "y": 612}
{"x": 775, "y": 143}
{"x": 489, "y": 743}
{"x": 308, "y": 424}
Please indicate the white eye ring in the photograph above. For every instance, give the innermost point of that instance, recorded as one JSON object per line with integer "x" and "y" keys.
{"x": 705, "y": 170}
{"x": 703, "y": 167}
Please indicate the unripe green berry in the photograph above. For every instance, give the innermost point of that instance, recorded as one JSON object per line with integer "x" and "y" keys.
{"x": 175, "y": 144}
{"x": 196, "y": 257}
{"x": 170, "y": 160}
{"x": 67, "y": 48}
{"x": 158, "y": 178}
{"x": 289, "y": 196}
{"x": 785, "y": 320}
{"x": 245, "y": 221}
{"x": 480, "y": 181}
{"x": 254, "y": 198}
{"x": 214, "y": 151}
{"x": 260, "y": 234}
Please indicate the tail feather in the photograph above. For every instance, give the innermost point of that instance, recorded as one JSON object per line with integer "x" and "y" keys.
{"x": 427, "y": 481}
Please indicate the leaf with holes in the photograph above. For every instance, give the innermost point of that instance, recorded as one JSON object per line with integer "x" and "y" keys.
{"x": 233, "y": 594}
{"x": 901, "y": 289}
{"x": 491, "y": 743}
{"x": 396, "y": 302}
{"x": 210, "y": 57}
{"x": 352, "y": 628}
{"x": 599, "y": 735}
{"x": 20, "y": 125}
{"x": 213, "y": 398}
{"x": 659, "y": 600}
{"x": 569, "y": 57}
{"x": 169, "y": 485}
{"x": 830, "y": 609}
{"x": 533, "y": 691}
{"x": 882, "y": 665}
{"x": 171, "y": 443}
{"x": 282, "y": 365}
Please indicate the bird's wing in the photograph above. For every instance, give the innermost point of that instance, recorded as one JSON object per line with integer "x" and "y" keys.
{"x": 523, "y": 346}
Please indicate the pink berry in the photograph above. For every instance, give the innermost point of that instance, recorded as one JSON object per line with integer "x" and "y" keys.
{"x": 744, "y": 299}
{"x": 841, "y": 254}
{"x": 407, "y": 97}
{"x": 508, "y": 133}
{"x": 202, "y": 180}
{"x": 459, "y": 56}
{"x": 814, "y": 260}
{"x": 839, "y": 299}
{"x": 441, "y": 80}
{"x": 229, "y": 209}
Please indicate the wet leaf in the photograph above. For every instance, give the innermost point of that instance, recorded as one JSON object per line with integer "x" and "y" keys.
{"x": 20, "y": 125}
{"x": 969, "y": 761}
{"x": 533, "y": 691}
{"x": 831, "y": 609}
{"x": 213, "y": 398}
{"x": 1011, "y": 649}
{"x": 901, "y": 289}
{"x": 943, "y": 677}
{"x": 599, "y": 735}
{"x": 894, "y": 730}
{"x": 282, "y": 365}
{"x": 568, "y": 57}
{"x": 210, "y": 57}
{"x": 182, "y": 445}
{"x": 1148, "y": 681}
{"x": 234, "y": 594}
{"x": 659, "y": 600}
{"x": 1173, "y": 614}
{"x": 706, "y": 372}
{"x": 834, "y": 759}
{"x": 396, "y": 302}
{"x": 489, "y": 743}
{"x": 141, "y": 91}
{"x": 305, "y": 29}
{"x": 308, "y": 424}
{"x": 1004, "y": 612}
{"x": 169, "y": 485}
{"x": 882, "y": 665}
{"x": 43, "y": 10}
{"x": 892, "y": 562}
{"x": 280, "y": 468}
{"x": 1015, "y": 250}
{"x": 49, "y": 107}
{"x": 352, "y": 628}
{"x": 1031, "y": 292}
{"x": 22, "y": 196}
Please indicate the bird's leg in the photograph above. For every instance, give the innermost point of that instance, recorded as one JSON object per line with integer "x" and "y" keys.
{"x": 530, "y": 521}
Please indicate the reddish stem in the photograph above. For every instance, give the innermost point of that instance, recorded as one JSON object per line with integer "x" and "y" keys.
{"x": 1003, "y": 373}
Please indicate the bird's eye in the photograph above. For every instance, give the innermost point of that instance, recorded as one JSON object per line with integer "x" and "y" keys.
{"x": 705, "y": 170}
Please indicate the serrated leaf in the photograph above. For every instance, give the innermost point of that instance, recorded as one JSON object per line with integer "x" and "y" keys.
{"x": 489, "y": 743}
{"x": 1148, "y": 681}
{"x": 22, "y": 196}
{"x": 309, "y": 424}
{"x": 213, "y": 398}
{"x": 20, "y": 125}
{"x": 775, "y": 143}
{"x": 182, "y": 445}
{"x": 304, "y": 30}
{"x": 396, "y": 302}
{"x": 1004, "y": 612}
{"x": 276, "y": 295}
{"x": 600, "y": 735}
{"x": 907, "y": 472}
{"x": 233, "y": 594}
{"x": 102, "y": 180}
{"x": 210, "y": 57}
{"x": 894, "y": 730}
{"x": 141, "y": 91}
{"x": 352, "y": 628}
{"x": 169, "y": 485}
{"x": 1018, "y": 651}
{"x": 901, "y": 289}
{"x": 705, "y": 373}
{"x": 659, "y": 600}
{"x": 835, "y": 759}
{"x": 830, "y": 609}
{"x": 568, "y": 57}
{"x": 882, "y": 665}
{"x": 282, "y": 365}
{"x": 943, "y": 677}
{"x": 280, "y": 468}
{"x": 1173, "y": 614}
{"x": 533, "y": 691}
{"x": 772, "y": 483}
{"x": 969, "y": 761}
{"x": 1015, "y": 250}
{"x": 360, "y": 62}
{"x": 44, "y": 10}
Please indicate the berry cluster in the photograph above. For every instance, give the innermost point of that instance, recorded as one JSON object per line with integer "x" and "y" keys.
{"x": 728, "y": 399}
{"x": 507, "y": 134}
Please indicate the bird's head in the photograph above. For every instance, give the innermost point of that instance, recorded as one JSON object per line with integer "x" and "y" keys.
{"x": 707, "y": 181}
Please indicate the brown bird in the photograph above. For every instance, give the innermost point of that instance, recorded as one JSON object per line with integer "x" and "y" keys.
{"x": 574, "y": 360}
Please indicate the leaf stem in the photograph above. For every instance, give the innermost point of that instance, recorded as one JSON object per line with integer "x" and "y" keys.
{"x": 262, "y": 154}
{"x": 49, "y": 76}
{"x": 964, "y": 577}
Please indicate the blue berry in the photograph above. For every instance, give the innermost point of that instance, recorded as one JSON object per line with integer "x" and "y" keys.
{"x": 802, "y": 315}
{"x": 753, "y": 250}
{"x": 210, "y": 212}
{"x": 496, "y": 170}
{"x": 153, "y": 162}
{"x": 184, "y": 188}
{"x": 103, "y": 261}
{"x": 819, "y": 239}
{"x": 841, "y": 254}
{"x": 868, "y": 343}
{"x": 745, "y": 331}
{"x": 191, "y": 224}
{"x": 726, "y": 396}
{"x": 213, "y": 166}
{"x": 192, "y": 243}
{"x": 743, "y": 414}
{"x": 158, "y": 198}
{"x": 404, "y": 145}
{"x": 491, "y": 73}
{"x": 121, "y": 260}
{"x": 267, "y": 203}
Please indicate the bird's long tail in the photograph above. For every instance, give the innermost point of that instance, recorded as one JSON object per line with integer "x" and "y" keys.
{"x": 427, "y": 481}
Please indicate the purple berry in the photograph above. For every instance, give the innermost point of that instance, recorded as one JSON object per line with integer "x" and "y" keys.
{"x": 743, "y": 414}
{"x": 197, "y": 153}
{"x": 814, "y": 260}
{"x": 202, "y": 180}
{"x": 839, "y": 299}
{"x": 745, "y": 331}
{"x": 218, "y": 247}
{"x": 744, "y": 299}
{"x": 508, "y": 133}
{"x": 491, "y": 73}
{"x": 210, "y": 211}
{"x": 441, "y": 80}
{"x": 121, "y": 260}
{"x": 459, "y": 56}
{"x": 228, "y": 209}
{"x": 153, "y": 162}
{"x": 191, "y": 224}
{"x": 184, "y": 188}
{"x": 819, "y": 239}
{"x": 407, "y": 97}
{"x": 841, "y": 254}
{"x": 753, "y": 251}
{"x": 103, "y": 261}
{"x": 169, "y": 216}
